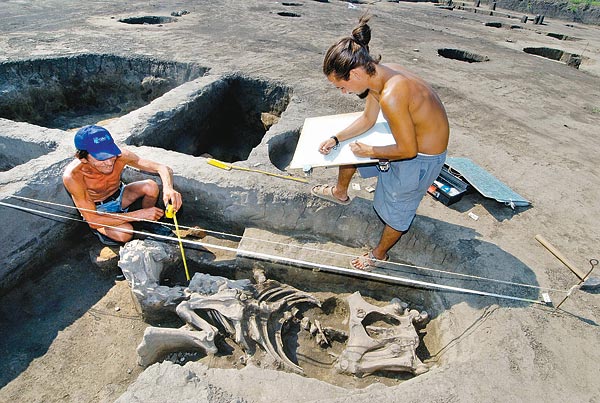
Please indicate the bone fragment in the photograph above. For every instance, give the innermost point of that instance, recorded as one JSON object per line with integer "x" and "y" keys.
{"x": 373, "y": 348}
{"x": 159, "y": 341}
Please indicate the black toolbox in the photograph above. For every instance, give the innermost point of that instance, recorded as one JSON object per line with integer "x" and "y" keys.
{"x": 448, "y": 188}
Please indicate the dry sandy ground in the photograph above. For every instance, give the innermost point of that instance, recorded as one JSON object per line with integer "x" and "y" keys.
{"x": 530, "y": 121}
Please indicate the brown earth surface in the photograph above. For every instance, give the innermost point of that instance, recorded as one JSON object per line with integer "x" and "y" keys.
{"x": 70, "y": 334}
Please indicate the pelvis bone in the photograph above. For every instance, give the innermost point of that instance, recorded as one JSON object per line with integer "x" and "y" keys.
{"x": 372, "y": 348}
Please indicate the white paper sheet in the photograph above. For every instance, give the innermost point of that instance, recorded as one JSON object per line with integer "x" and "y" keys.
{"x": 318, "y": 129}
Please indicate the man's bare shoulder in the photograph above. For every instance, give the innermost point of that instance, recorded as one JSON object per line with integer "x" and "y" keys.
{"x": 128, "y": 156}
{"x": 398, "y": 82}
{"x": 72, "y": 176}
{"x": 404, "y": 86}
{"x": 401, "y": 74}
{"x": 397, "y": 89}
{"x": 72, "y": 169}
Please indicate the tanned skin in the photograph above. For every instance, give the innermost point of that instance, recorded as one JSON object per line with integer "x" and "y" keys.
{"x": 89, "y": 180}
{"x": 416, "y": 117}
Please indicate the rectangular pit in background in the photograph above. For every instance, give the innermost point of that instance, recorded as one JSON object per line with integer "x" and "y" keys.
{"x": 72, "y": 91}
{"x": 226, "y": 120}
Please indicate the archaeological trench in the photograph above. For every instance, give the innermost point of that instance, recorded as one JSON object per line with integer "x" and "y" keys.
{"x": 263, "y": 255}
{"x": 260, "y": 301}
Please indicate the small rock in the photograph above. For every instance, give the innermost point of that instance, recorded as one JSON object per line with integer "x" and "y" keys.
{"x": 195, "y": 232}
{"x": 268, "y": 119}
{"x": 104, "y": 257}
{"x": 179, "y": 13}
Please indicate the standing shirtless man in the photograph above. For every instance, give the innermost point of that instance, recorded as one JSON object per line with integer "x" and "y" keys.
{"x": 417, "y": 120}
{"x": 93, "y": 179}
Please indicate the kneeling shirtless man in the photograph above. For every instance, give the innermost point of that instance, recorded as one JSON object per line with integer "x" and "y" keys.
{"x": 93, "y": 179}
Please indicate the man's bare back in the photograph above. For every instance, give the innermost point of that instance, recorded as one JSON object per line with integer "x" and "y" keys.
{"x": 414, "y": 112}
{"x": 425, "y": 107}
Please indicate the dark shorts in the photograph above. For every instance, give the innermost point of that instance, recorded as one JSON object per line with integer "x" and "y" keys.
{"x": 400, "y": 190}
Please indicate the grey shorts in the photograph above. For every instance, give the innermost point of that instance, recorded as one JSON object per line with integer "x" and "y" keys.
{"x": 400, "y": 190}
{"x": 110, "y": 205}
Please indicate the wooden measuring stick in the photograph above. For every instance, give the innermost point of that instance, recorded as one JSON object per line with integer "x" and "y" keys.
{"x": 560, "y": 256}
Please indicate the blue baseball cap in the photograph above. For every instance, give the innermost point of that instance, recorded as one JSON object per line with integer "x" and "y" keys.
{"x": 97, "y": 141}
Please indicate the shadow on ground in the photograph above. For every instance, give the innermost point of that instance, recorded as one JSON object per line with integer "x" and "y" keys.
{"x": 32, "y": 314}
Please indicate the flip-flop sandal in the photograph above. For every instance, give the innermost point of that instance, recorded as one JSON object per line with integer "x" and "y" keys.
{"x": 326, "y": 192}
{"x": 367, "y": 262}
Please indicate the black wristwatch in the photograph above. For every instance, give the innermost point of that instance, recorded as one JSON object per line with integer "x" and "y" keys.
{"x": 337, "y": 142}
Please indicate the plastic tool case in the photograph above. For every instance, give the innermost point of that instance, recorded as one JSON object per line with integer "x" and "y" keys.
{"x": 448, "y": 188}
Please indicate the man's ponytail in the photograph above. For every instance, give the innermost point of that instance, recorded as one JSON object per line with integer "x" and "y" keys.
{"x": 362, "y": 32}
{"x": 351, "y": 52}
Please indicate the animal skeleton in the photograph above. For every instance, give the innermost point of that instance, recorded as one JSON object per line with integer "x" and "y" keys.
{"x": 259, "y": 315}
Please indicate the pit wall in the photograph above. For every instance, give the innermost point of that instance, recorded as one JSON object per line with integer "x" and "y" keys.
{"x": 59, "y": 92}
{"x": 26, "y": 147}
{"x": 30, "y": 239}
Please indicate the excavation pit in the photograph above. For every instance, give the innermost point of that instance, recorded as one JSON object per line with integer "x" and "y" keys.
{"x": 570, "y": 59}
{"x": 501, "y": 25}
{"x": 224, "y": 253}
{"x": 462, "y": 55}
{"x": 300, "y": 346}
{"x": 73, "y": 91}
{"x": 226, "y": 121}
{"x": 148, "y": 20}
{"x": 288, "y": 14}
{"x": 562, "y": 37}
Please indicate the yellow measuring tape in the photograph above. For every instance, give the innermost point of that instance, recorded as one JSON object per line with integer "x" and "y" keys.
{"x": 169, "y": 213}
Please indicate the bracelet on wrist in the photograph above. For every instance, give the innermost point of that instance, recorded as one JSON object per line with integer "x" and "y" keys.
{"x": 337, "y": 142}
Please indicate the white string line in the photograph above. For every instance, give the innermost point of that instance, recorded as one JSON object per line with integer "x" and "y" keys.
{"x": 300, "y": 263}
{"x": 308, "y": 248}
{"x": 315, "y": 249}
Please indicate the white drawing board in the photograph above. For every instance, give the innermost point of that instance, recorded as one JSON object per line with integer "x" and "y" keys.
{"x": 318, "y": 129}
